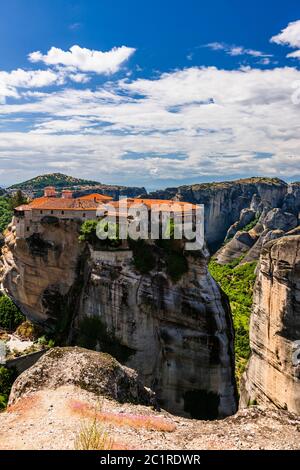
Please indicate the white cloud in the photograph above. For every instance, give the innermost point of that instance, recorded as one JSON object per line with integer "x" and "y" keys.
{"x": 85, "y": 60}
{"x": 235, "y": 50}
{"x": 79, "y": 77}
{"x": 11, "y": 81}
{"x": 226, "y": 122}
{"x": 289, "y": 36}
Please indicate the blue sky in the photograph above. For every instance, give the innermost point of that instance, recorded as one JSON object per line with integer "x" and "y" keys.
{"x": 149, "y": 93}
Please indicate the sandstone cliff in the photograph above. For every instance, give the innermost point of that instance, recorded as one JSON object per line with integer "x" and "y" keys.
{"x": 273, "y": 373}
{"x": 225, "y": 201}
{"x": 177, "y": 335}
{"x": 271, "y": 224}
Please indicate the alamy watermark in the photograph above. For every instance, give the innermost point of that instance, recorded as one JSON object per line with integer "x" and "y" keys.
{"x": 152, "y": 220}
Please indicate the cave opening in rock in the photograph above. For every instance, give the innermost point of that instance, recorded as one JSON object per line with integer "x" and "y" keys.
{"x": 202, "y": 404}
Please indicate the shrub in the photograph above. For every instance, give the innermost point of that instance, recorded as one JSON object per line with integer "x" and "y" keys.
{"x": 28, "y": 330}
{"x": 250, "y": 225}
{"x": 143, "y": 256}
{"x": 93, "y": 334}
{"x": 7, "y": 378}
{"x": 177, "y": 265}
{"x": 176, "y": 261}
{"x": 46, "y": 342}
{"x": 88, "y": 233}
{"x": 92, "y": 434}
{"x": 10, "y": 315}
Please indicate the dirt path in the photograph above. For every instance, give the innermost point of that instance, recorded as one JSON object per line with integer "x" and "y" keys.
{"x": 50, "y": 419}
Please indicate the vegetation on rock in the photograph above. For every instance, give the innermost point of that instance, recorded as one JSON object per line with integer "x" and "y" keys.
{"x": 5, "y": 213}
{"x": 58, "y": 180}
{"x": 7, "y": 378}
{"x": 10, "y": 315}
{"x": 28, "y": 331}
{"x": 237, "y": 282}
{"x": 88, "y": 233}
{"x": 93, "y": 335}
{"x": 143, "y": 257}
{"x": 251, "y": 225}
{"x": 7, "y": 205}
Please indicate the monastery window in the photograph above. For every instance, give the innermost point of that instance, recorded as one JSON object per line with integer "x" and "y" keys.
{"x": 83, "y": 215}
{"x": 41, "y": 212}
{"x": 51, "y": 212}
{"x": 27, "y": 228}
{"x": 62, "y": 212}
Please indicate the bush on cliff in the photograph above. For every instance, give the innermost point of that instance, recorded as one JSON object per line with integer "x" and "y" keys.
{"x": 237, "y": 282}
{"x": 88, "y": 233}
{"x": 10, "y": 315}
{"x": 143, "y": 257}
{"x": 5, "y": 213}
{"x": 7, "y": 378}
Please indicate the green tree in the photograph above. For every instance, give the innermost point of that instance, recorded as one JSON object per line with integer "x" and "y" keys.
{"x": 7, "y": 378}
{"x": 10, "y": 315}
{"x": 17, "y": 200}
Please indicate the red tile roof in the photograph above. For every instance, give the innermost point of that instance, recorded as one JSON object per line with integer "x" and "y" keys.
{"x": 90, "y": 202}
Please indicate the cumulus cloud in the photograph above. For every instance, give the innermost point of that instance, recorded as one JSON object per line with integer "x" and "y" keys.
{"x": 85, "y": 60}
{"x": 290, "y": 36}
{"x": 223, "y": 121}
{"x": 233, "y": 50}
{"x": 11, "y": 81}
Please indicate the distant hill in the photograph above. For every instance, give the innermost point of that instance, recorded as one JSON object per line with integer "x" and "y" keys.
{"x": 58, "y": 180}
{"x": 34, "y": 187}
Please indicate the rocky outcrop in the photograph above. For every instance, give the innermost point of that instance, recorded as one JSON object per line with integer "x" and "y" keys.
{"x": 246, "y": 217}
{"x": 177, "y": 335}
{"x": 40, "y": 272}
{"x": 225, "y": 201}
{"x": 277, "y": 219}
{"x": 273, "y": 374}
{"x": 235, "y": 248}
{"x": 95, "y": 372}
{"x": 272, "y": 224}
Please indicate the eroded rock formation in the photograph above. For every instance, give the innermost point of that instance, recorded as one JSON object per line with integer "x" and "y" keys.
{"x": 177, "y": 335}
{"x": 273, "y": 373}
{"x": 225, "y": 201}
{"x": 95, "y": 372}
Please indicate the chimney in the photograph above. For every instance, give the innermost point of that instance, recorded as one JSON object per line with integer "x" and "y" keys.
{"x": 50, "y": 191}
{"x": 67, "y": 194}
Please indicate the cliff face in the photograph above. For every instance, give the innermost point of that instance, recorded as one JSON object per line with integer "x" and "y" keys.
{"x": 225, "y": 201}
{"x": 177, "y": 335}
{"x": 273, "y": 373}
{"x": 39, "y": 272}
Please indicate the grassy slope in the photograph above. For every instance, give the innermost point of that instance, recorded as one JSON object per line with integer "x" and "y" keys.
{"x": 53, "y": 179}
{"x": 237, "y": 282}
